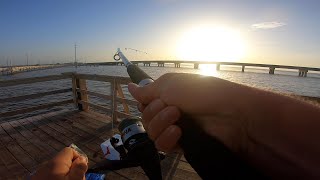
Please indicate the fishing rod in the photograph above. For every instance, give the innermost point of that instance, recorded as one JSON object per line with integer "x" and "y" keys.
{"x": 136, "y": 74}
{"x": 136, "y": 50}
{"x": 133, "y": 147}
{"x": 206, "y": 154}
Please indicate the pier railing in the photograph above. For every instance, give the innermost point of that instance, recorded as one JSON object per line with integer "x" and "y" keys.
{"x": 5, "y": 84}
{"x": 116, "y": 95}
{"x": 80, "y": 94}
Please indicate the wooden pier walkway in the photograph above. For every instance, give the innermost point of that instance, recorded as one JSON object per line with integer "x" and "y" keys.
{"x": 27, "y": 143}
{"x": 30, "y": 140}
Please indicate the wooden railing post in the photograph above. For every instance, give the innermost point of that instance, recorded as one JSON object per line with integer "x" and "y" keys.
{"x": 124, "y": 104}
{"x": 82, "y": 85}
{"x": 114, "y": 101}
{"x": 81, "y": 95}
{"x": 74, "y": 90}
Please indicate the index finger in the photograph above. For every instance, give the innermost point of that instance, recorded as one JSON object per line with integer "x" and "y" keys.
{"x": 68, "y": 154}
{"x": 62, "y": 162}
{"x": 151, "y": 91}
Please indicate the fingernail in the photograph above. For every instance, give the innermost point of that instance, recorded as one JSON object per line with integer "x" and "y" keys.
{"x": 154, "y": 106}
{"x": 171, "y": 130}
{"x": 171, "y": 113}
{"x": 132, "y": 87}
{"x": 83, "y": 159}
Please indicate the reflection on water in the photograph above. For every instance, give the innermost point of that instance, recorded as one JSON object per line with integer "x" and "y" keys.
{"x": 208, "y": 70}
{"x": 282, "y": 81}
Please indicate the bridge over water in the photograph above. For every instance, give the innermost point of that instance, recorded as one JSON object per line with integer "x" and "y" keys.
{"x": 302, "y": 71}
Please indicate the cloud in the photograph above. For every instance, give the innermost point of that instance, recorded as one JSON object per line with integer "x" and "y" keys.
{"x": 268, "y": 25}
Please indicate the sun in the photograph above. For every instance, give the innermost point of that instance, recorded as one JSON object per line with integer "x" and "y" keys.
{"x": 211, "y": 43}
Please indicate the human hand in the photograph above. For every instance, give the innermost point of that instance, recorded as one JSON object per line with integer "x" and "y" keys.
{"x": 66, "y": 165}
{"x": 274, "y": 132}
{"x": 213, "y": 103}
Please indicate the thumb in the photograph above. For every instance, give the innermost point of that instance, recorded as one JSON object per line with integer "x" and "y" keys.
{"x": 144, "y": 94}
{"x": 78, "y": 168}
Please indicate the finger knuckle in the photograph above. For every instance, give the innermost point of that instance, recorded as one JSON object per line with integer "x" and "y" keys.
{"x": 152, "y": 132}
{"x": 151, "y": 136}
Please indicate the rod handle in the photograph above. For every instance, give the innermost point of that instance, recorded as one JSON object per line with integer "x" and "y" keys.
{"x": 136, "y": 74}
{"x": 209, "y": 156}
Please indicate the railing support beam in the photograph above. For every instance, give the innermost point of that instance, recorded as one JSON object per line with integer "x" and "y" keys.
{"x": 82, "y": 95}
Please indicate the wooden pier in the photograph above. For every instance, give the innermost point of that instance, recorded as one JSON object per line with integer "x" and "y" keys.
{"x": 26, "y": 143}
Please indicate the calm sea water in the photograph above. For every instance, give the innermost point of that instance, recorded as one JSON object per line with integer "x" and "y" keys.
{"x": 281, "y": 81}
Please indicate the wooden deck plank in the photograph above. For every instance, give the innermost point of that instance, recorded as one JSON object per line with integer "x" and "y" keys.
{"x": 84, "y": 146}
{"x": 91, "y": 141}
{"x": 90, "y": 121}
{"x": 183, "y": 174}
{"x": 97, "y": 136}
{"x": 12, "y": 167}
{"x": 3, "y": 167}
{"x": 24, "y": 143}
{"x": 63, "y": 130}
{"x": 57, "y": 145}
{"x": 4, "y": 138}
{"x": 43, "y": 125}
{"x": 93, "y": 145}
{"x": 10, "y": 164}
{"x": 75, "y": 138}
{"x": 114, "y": 175}
{"x": 96, "y": 116}
{"x": 42, "y": 145}
{"x": 104, "y": 131}
{"x": 24, "y": 159}
{"x": 68, "y": 124}
{"x": 168, "y": 166}
{"x": 181, "y": 159}
{"x": 81, "y": 126}
{"x": 132, "y": 173}
{"x": 66, "y": 142}
{"x": 13, "y": 147}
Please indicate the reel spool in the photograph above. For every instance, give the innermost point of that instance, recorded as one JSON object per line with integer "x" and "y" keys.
{"x": 132, "y": 132}
{"x": 139, "y": 146}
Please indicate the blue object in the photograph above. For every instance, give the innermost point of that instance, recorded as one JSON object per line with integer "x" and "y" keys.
{"x": 94, "y": 176}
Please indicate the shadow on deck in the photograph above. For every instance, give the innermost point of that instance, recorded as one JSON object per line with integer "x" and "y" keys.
{"x": 29, "y": 142}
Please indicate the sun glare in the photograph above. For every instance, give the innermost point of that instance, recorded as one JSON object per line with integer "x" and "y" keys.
{"x": 208, "y": 43}
{"x": 208, "y": 70}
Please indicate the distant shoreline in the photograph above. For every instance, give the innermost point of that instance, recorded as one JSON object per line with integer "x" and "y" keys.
{"x": 19, "y": 69}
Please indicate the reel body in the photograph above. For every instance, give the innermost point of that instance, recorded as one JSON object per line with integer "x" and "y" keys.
{"x": 130, "y": 149}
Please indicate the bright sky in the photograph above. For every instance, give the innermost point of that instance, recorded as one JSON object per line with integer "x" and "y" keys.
{"x": 273, "y": 31}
